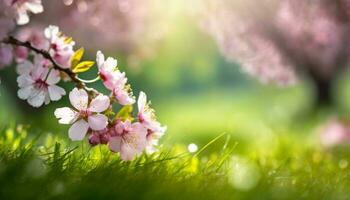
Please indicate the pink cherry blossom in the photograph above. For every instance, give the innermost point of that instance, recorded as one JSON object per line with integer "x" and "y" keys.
{"x": 335, "y": 132}
{"x": 61, "y": 47}
{"x": 123, "y": 95}
{"x": 23, "y": 7}
{"x": 37, "y": 83}
{"x": 146, "y": 117}
{"x": 84, "y": 115}
{"x": 5, "y": 55}
{"x": 129, "y": 139}
{"x": 113, "y": 79}
{"x": 36, "y": 39}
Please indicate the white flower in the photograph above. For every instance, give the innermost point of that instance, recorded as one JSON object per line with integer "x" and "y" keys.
{"x": 61, "y": 47}
{"x": 148, "y": 119}
{"x": 37, "y": 83}
{"x": 113, "y": 79}
{"x": 84, "y": 116}
{"x": 24, "y": 6}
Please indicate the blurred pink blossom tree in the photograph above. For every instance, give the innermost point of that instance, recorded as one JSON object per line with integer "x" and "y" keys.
{"x": 279, "y": 41}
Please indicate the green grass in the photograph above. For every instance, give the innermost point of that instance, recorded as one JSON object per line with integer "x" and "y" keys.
{"x": 48, "y": 167}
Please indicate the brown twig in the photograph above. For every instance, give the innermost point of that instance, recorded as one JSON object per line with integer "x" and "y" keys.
{"x": 73, "y": 76}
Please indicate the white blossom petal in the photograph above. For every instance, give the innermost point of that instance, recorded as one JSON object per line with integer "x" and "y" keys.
{"x": 22, "y": 17}
{"x": 56, "y": 92}
{"x": 37, "y": 99}
{"x": 100, "y": 59}
{"x": 51, "y": 32}
{"x": 25, "y": 67}
{"x": 99, "y": 103}
{"x": 53, "y": 77}
{"x": 141, "y": 102}
{"x": 25, "y": 92}
{"x": 97, "y": 122}
{"x": 78, "y": 130}
{"x": 127, "y": 152}
{"x": 110, "y": 63}
{"x": 79, "y": 99}
{"x": 65, "y": 115}
{"x": 47, "y": 98}
{"x": 35, "y": 6}
{"x": 24, "y": 80}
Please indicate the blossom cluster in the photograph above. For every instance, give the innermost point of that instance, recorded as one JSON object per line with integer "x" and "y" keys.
{"x": 14, "y": 12}
{"x": 44, "y": 59}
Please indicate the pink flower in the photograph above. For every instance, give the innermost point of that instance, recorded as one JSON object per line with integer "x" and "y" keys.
{"x": 84, "y": 116}
{"x": 123, "y": 95}
{"x": 5, "y": 55}
{"x": 335, "y": 132}
{"x": 113, "y": 79}
{"x": 128, "y": 138}
{"x": 36, "y": 39}
{"x": 61, "y": 47}
{"x": 37, "y": 83}
{"x": 23, "y": 7}
{"x": 147, "y": 118}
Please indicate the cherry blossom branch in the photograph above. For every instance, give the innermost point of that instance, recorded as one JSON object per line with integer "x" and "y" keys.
{"x": 73, "y": 76}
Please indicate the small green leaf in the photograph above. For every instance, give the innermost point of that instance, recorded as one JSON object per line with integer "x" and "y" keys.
{"x": 77, "y": 57}
{"x": 83, "y": 66}
{"x": 125, "y": 113}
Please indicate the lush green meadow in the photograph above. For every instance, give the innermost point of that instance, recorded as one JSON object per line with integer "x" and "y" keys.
{"x": 246, "y": 150}
{"x": 47, "y": 167}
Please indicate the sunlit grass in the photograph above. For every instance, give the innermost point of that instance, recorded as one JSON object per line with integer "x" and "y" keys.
{"x": 50, "y": 167}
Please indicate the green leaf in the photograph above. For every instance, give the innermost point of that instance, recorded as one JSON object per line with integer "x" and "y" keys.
{"x": 83, "y": 66}
{"x": 77, "y": 57}
{"x": 125, "y": 113}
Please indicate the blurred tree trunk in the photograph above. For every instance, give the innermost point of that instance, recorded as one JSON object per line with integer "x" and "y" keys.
{"x": 323, "y": 95}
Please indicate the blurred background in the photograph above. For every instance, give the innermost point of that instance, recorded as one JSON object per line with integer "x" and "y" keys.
{"x": 180, "y": 53}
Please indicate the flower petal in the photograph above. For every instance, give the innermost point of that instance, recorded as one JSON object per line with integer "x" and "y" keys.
{"x": 114, "y": 144}
{"x": 79, "y": 98}
{"x": 35, "y": 7}
{"x": 99, "y": 103}
{"x": 100, "y": 59}
{"x": 25, "y": 67}
{"x": 24, "y": 80}
{"x": 65, "y": 115}
{"x": 141, "y": 102}
{"x": 37, "y": 99}
{"x": 53, "y": 77}
{"x": 134, "y": 142}
{"x": 56, "y": 92}
{"x": 25, "y": 92}
{"x": 47, "y": 98}
{"x": 110, "y": 63}
{"x": 97, "y": 122}
{"x": 127, "y": 152}
{"x": 22, "y": 17}
{"x": 51, "y": 32}
{"x": 78, "y": 130}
